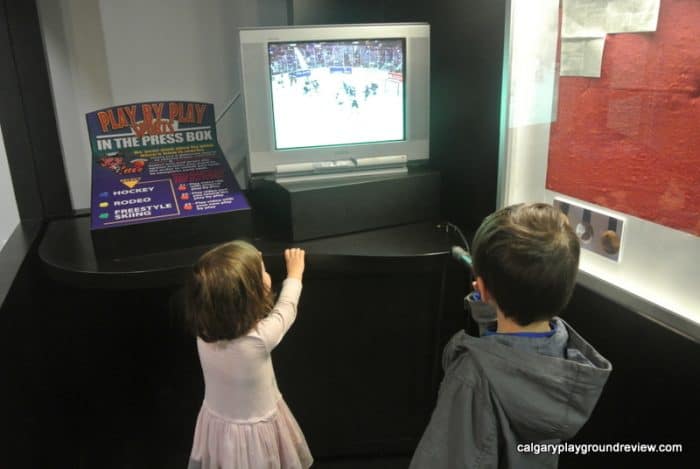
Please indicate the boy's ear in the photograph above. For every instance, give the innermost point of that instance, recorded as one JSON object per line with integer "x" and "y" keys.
{"x": 483, "y": 292}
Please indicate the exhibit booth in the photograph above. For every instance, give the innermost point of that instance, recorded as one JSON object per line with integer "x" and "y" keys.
{"x": 376, "y": 135}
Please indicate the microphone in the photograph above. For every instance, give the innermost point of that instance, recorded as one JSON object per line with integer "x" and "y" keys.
{"x": 462, "y": 256}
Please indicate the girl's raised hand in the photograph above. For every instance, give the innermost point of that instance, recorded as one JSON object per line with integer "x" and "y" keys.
{"x": 294, "y": 258}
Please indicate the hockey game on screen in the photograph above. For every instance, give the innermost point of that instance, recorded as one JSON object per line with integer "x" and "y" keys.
{"x": 337, "y": 92}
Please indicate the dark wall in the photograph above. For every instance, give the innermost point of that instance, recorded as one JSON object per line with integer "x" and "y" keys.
{"x": 93, "y": 378}
{"x": 652, "y": 393}
{"x": 33, "y": 369}
{"x": 336, "y": 12}
{"x": 466, "y": 68}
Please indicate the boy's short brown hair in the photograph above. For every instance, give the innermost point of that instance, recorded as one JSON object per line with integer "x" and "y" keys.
{"x": 527, "y": 256}
{"x": 225, "y": 295}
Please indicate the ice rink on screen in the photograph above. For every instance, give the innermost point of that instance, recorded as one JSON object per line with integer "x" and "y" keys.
{"x": 325, "y": 115}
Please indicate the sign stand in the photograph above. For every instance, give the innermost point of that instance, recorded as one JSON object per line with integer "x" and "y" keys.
{"x": 160, "y": 181}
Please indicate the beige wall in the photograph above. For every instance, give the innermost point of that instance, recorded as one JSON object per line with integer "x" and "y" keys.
{"x": 9, "y": 217}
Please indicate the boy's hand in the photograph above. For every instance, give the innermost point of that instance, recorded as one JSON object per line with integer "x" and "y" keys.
{"x": 294, "y": 258}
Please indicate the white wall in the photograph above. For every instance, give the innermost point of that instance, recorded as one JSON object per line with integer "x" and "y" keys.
{"x": 9, "y": 217}
{"x": 103, "y": 53}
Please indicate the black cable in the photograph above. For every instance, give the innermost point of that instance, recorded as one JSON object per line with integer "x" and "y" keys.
{"x": 470, "y": 276}
{"x": 451, "y": 226}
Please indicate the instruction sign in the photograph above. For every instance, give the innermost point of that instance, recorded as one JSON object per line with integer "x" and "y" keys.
{"x": 157, "y": 161}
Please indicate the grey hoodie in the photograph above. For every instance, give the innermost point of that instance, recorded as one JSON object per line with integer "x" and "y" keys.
{"x": 504, "y": 390}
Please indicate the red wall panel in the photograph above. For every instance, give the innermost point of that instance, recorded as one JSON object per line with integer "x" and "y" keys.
{"x": 630, "y": 140}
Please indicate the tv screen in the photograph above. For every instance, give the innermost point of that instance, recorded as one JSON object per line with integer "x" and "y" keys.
{"x": 328, "y": 93}
{"x": 337, "y": 92}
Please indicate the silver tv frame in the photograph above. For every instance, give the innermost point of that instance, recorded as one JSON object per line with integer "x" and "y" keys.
{"x": 263, "y": 157}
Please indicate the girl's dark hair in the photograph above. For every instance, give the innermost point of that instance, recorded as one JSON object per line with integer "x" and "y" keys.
{"x": 225, "y": 295}
{"x": 527, "y": 256}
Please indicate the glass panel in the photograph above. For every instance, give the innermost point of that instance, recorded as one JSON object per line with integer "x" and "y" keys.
{"x": 606, "y": 122}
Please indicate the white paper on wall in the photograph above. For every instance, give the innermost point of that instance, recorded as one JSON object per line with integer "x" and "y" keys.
{"x": 582, "y": 57}
{"x": 593, "y": 18}
{"x": 586, "y": 22}
{"x": 632, "y": 16}
{"x": 584, "y": 18}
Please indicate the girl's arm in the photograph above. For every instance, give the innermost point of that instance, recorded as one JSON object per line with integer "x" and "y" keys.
{"x": 278, "y": 322}
{"x": 273, "y": 327}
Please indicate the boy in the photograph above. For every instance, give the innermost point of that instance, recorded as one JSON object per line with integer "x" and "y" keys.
{"x": 530, "y": 378}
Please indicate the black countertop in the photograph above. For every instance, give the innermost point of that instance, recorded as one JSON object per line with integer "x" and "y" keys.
{"x": 67, "y": 253}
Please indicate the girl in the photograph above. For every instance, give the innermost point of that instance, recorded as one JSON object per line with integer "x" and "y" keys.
{"x": 244, "y": 423}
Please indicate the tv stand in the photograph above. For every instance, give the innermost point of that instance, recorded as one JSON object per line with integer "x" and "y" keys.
{"x": 308, "y": 209}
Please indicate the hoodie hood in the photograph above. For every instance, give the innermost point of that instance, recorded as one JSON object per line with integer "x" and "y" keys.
{"x": 546, "y": 387}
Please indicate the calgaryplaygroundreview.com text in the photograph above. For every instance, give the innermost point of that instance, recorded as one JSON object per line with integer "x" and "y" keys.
{"x": 586, "y": 448}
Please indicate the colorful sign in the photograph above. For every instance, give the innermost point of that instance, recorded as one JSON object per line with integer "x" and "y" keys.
{"x": 158, "y": 161}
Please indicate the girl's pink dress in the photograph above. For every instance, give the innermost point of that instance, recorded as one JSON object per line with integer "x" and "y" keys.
{"x": 244, "y": 423}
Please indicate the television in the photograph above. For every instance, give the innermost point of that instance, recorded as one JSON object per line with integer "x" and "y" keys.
{"x": 335, "y": 93}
